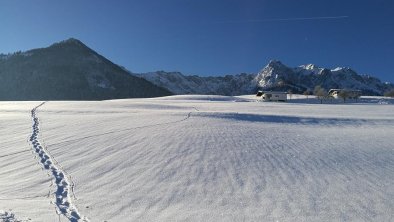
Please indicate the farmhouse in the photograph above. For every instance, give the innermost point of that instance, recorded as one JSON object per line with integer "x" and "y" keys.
{"x": 273, "y": 96}
{"x": 347, "y": 93}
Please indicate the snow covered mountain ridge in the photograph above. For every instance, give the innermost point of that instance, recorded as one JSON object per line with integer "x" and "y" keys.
{"x": 274, "y": 76}
{"x": 70, "y": 70}
{"x": 178, "y": 83}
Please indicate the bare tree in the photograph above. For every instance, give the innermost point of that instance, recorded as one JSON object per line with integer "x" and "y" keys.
{"x": 344, "y": 94}
{"x": 320, "y": 92}
{"x": 389, "y": 93}
{"x": 306, "y": 93}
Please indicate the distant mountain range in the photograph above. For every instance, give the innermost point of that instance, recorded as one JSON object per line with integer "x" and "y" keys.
{"x": 274, "y": 76}
{"x": 178, "y": 83}
{"x": 69, "y": 70}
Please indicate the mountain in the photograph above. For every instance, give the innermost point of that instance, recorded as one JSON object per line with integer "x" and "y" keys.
{"x": 178, "y": 83}
{"x": 277, "y": 76}
{"x": 274, "y": 76}
{"x": 68, "y": 70}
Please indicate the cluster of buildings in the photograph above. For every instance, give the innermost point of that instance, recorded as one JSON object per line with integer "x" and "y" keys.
{"x": 332, "y": 93}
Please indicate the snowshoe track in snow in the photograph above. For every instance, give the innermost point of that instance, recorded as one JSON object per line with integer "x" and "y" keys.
{"x": 63, "y": 188}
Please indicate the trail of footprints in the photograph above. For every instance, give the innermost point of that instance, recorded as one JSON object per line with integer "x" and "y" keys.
{"x": 63, "y": 186}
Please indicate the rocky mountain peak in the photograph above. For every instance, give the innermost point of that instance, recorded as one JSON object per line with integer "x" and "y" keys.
{"x": 275, "y": 64}
{"x": 309, "y": 67}
{"x": 343, "y": 70}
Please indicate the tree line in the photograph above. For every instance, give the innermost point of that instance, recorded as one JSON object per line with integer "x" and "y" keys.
{"x": 322, "y": 94}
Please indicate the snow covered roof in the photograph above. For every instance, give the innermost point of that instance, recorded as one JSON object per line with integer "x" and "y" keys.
{"x": 274, "y": 92}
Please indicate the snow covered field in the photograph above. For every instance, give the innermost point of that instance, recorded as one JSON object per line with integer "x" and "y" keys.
{"x": 198, "y": 158}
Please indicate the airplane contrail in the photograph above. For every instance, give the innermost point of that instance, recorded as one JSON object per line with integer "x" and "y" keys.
{"x": 286, "y": 19}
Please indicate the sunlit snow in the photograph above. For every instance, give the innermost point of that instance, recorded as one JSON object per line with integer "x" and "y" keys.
{"x": 201, "y": 158}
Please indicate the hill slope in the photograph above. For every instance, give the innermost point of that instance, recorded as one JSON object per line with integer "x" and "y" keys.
{"x": 68, "y": 70}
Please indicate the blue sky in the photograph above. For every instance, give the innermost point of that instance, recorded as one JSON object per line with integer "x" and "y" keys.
{"x": 208, "y": 37}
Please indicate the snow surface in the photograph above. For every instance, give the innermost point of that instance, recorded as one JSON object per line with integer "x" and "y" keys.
{"x": 202, "y": 158}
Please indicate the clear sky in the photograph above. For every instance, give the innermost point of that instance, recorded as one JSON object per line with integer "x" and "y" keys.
{"x": 211, "y": 37}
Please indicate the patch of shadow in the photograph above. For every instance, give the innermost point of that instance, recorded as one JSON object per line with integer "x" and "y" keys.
{"x": 295, "y": 119}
